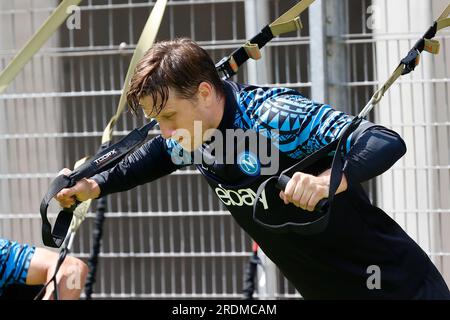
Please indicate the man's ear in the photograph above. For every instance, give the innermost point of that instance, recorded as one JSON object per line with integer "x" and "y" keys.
{"x": 205, "y": 90}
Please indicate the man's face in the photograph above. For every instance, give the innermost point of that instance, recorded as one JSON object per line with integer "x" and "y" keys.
{"x": 177, "y": 119}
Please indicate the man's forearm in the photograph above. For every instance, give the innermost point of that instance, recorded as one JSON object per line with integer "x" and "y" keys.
{"x": 325, "y": 177}
{"x": 375, "y": 151}
{"x": 146, "y": 164}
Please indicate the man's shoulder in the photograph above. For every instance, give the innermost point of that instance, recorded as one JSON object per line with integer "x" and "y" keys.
{"x": 10, "y": 248}
{"x": 251, "y": 94}
{"x": 14, "y": 260}
{"x": 5, "y": 245}
{"x": 275, "y": 107}
{"x": 3, "y": 242}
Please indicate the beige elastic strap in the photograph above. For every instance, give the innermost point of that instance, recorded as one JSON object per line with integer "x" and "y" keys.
{"x": 290, "y": 20}
{"x": 233, "y": 64}
{"x": 79, "y": 214}
{"x": 145, "y": 42}
{"x": 36, "y": 42}
{"x": 442, "y": 24}
{"x": 286, "y": 27}
{"x": 445, "y": 13}
{"x": 380, "y": 93}
{"x": 431, "y": 46}
{"x": 252, "y": 50}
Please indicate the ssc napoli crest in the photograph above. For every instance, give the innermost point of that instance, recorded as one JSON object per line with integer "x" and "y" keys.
{"x": 249, "y": 164}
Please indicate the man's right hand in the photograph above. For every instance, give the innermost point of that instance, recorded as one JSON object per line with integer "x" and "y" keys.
{"x": 85, "y": 189}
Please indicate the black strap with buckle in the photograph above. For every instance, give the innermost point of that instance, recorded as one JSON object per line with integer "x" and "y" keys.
{"x": 102, "y": 161}
{"x": 229, "y": 66}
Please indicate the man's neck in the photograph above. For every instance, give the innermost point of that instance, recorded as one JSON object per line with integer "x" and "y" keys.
{"x": 219, "y": 113}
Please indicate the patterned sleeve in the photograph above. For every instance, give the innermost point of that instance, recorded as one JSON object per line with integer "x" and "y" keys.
{"x": 302, "y": 127}
{"x": 14, "y": 262}
{"x": 297, "y": 125}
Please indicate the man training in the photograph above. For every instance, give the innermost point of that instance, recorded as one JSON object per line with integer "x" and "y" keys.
{"x": 361, "y": 254}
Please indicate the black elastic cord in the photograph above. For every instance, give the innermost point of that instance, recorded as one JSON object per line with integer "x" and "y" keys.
{"x": 62, "y": 256}
{"x": 251, "y": 273}
{"x": 261, "y": 39}
{"x": 250, "y": 276}
{"x": 97, "y": 238}
{"x": 411, "y": 59}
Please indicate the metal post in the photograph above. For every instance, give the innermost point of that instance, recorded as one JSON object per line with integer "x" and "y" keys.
{"x": 416, "y": 191}
{"x": 337, "y": 70}
{"x": 318, "y": 63}
{"x": 256, "y": 17}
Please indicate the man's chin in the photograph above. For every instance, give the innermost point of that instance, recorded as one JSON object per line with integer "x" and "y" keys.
{"x": 189, "y": 145}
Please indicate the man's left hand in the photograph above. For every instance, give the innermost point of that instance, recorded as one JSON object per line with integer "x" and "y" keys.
{"x": 305, "y": 190}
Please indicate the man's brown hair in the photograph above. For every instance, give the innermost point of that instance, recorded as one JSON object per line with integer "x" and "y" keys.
{"x": 180, "y": 65}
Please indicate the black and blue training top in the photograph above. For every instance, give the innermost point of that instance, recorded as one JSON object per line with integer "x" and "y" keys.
{"x": 360, "y": 237}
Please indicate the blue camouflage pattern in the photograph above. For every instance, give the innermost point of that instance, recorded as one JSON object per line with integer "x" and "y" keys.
{"x": 15, "y": 261}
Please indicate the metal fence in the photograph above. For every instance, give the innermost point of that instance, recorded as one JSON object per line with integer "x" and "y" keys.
{"x": 415, "y": 191}
{"x": 172, "y": 238}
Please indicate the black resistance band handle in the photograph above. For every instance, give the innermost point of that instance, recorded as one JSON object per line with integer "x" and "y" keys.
{"x": 106, "y": 158}
{"x": 322, "y": 205}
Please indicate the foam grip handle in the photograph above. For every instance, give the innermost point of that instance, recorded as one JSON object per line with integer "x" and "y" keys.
{"x": 322, "y": 205}
{"x": 282, "y": 182}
